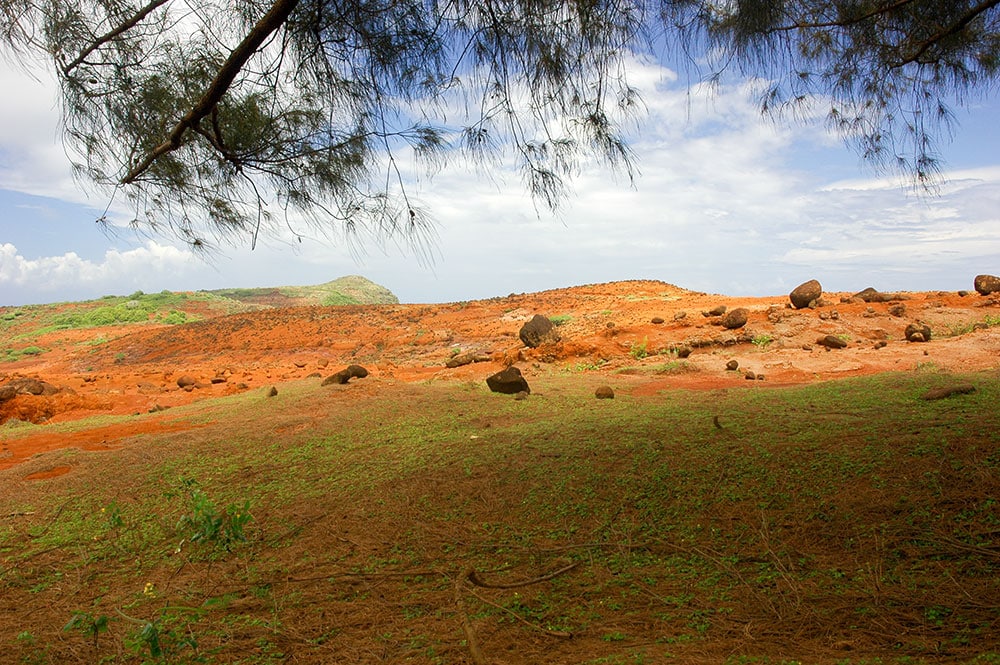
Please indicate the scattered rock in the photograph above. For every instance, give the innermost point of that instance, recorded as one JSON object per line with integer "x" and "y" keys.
{"x": 941, "y": 393}
{"x": 539, "y": 330}
{"x": 7, "y": 393}
{"x": 314, "y": 375}
{"x": 715, "y": 311}
{"x": 750, "y": 375}
{"x": 604, "y": 392}
{"x": 881, "y": 344}
{"x": 272, "y": 392}
{"x": 186, "y": 382}
{"x": 656, "y": 320}
{"x": 805, "y": 293}
{"x": 218, "y": 379}
{"x": 832, "y": 342}
{"x": 986, "y": 284}
{"x": 683, "y": 352}
{"x": 917, "y": 332}
{"x": 680, "y": 315}
{"x": 508, "y": 381}
{"x": 345, "y": 375}
{"x": 897, "y": 310}
{"x": 871, "y": 295}
{"x": 734, "y": 319}
{"x": 521, "y": 395}
{"x": 461, "y": 359}
{"x": 963, "y": 293}
{"x": 732, "y": 365}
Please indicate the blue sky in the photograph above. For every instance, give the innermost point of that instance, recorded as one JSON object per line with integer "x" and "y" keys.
{"x": 726, "y": 202}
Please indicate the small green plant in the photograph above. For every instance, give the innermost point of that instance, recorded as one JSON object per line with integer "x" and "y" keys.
{"x": 560, "y": 319}
{"x": 640, "y": 351}
{"x": 206, "y": 524}
{"x": 762, "y": 341}
{"x": 90, "y": 626}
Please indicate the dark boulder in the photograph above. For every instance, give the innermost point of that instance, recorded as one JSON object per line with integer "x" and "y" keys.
{"x": 715, "y": 311}
{"x": 508, "y": 381}
{"x": 986, "y": 284}
{"x": 604, "y": 392}
{"x": 186, "y": 381}
{"x": 832, "y": 342}
{"x": 345, "y": 375}
{"x": 805, "y": 293}
{"x": 917, "y": 332}
{"x": 539, "y": 330}
{"x": 734, "y": 319}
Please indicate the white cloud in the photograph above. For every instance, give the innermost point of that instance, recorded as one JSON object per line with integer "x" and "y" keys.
{"x": 726, "y": 202}
{"x": 69, "y": 273}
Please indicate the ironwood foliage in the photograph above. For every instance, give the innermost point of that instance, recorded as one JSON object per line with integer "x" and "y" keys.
{"x": 219, "y": 119}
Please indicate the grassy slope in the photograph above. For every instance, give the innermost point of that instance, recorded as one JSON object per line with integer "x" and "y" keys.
{"x": 846, "y": 522}
{"x": 21, "y": 327}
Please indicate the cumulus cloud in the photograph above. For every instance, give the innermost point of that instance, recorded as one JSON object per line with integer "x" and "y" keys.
{"x": 23, "y": 280}
{"x": 725, "y": 202}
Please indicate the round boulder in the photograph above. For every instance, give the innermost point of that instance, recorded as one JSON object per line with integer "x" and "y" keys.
{"x": 917, "y": 332}
{"x": 604, "y": 392}
{"x": 538, "y": 331}
{"x": 805, "y": 293}
{"x": 736, "y": 318}
{"x": 987, "y": 284}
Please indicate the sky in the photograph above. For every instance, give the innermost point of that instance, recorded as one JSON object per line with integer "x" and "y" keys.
{"x": 726, "y": 202}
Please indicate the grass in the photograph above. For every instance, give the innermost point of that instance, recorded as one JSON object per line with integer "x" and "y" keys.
{"x": 686, "y": 526}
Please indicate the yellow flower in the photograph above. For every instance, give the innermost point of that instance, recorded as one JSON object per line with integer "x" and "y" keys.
{"x": 148, "y": 590}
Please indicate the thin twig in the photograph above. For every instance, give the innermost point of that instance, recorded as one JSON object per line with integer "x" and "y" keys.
{"x": 470, "y": 635}
{"x": 478, "y": 581}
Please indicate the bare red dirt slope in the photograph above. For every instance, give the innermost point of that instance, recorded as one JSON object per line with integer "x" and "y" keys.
{"x": 639, "y": 327}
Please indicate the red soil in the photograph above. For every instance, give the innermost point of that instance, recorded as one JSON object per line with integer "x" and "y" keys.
{"x": 609, "y": 329}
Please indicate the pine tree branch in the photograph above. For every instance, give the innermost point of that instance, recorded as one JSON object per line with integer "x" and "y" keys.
{"x": 947, "y": 31}
{"x": 264, "y": 28}
{"x": 120, "y": 30}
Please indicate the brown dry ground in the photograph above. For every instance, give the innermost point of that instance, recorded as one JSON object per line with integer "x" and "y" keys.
{"x": 607, "y": 337}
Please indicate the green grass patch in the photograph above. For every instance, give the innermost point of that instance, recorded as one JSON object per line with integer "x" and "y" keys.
{"x": 683, "y": 525}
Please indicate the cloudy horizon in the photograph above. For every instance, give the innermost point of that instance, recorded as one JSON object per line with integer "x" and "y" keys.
{"x": 727, "y": 202}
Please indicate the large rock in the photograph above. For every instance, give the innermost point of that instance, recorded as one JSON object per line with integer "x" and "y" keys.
{"x": 604, "y": 392}
{"x": 987, "y": 284}
{"x": 508, "y": 381}
{"x": 736, "y": 318}
{"x": 917, "y": 332}
{"x": 538, "y": 331}
{"x": 345, "y": 375}
{"x": 832, "y": 342}
{"x": 805, "y": 293}
{"x": 871, "y": 295}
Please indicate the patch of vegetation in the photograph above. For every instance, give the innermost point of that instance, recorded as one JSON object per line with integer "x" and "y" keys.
{"x": 334, "y": 299}
{"x": 956, "y": 329}
{"x": 561, "y": 319}
{"x": 762, "y": 341}
{"x": 13, "y": 355}
{"x": 654, "y": 528}
{"x": 640, "y": 350}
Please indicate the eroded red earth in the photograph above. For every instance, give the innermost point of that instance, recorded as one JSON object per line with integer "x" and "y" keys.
{"x": 608, "y": 328}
